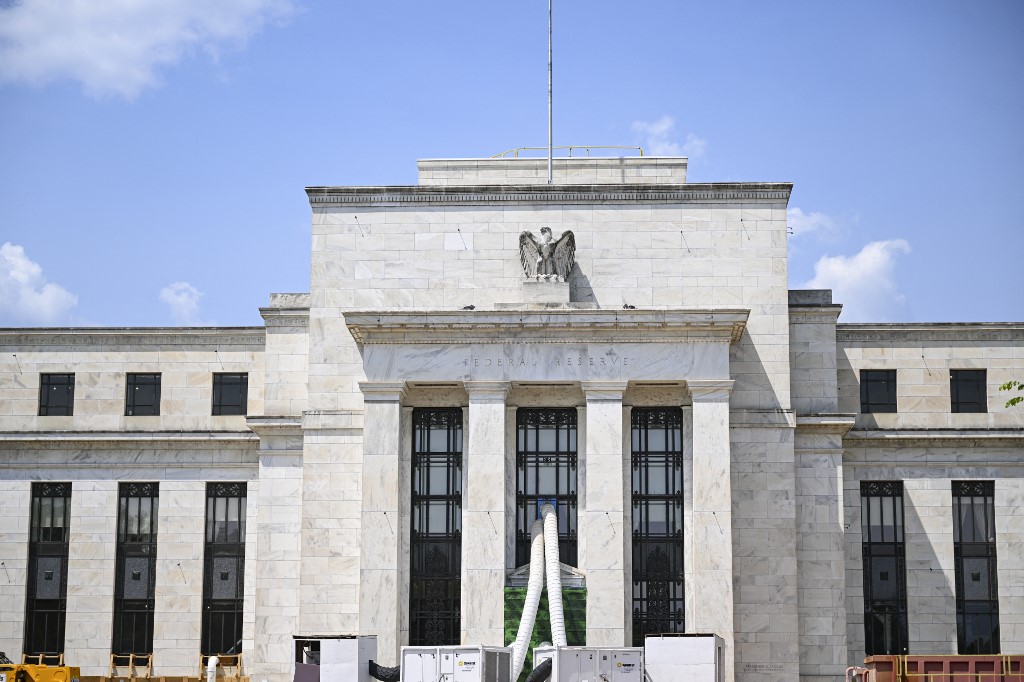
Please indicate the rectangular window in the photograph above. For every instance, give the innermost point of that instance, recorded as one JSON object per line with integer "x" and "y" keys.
{"x": 546, "y": 472}
{"x": 967, "y": 390}
{"x": 47, "y": 568}
{"x": 135, "y": 576}
{"x": 657, "y": 462}
{"x": 56, "y": 395}
{"x": 230, "y": 394}
{"x": 883, "y": 554}
{"x": 974, "y": 557}
{"x": 142, "y": 397}
{"x": 224, "y": 569}
{"x": 435, "y": 557}
{"x": 877, "y": 391}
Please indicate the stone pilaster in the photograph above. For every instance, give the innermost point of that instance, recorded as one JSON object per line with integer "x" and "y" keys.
{"x": 381, "y": 563}
{"x": 278, "y": 547}
{"x": 483, "y": 515}
{"x": 712, "y": 515}
{"x": 607, "y": 560}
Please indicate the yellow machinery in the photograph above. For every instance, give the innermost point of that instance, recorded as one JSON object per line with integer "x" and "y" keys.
{"x": 37, "y": 672}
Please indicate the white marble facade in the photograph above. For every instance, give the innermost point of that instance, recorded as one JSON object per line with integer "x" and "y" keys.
{"x": 679, "y": 298}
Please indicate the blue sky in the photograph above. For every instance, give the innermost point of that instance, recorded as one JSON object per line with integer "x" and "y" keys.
{"x": 153, "y": 153}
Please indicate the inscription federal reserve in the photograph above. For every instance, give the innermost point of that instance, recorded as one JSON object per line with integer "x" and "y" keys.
{"x": 557, "y": 361}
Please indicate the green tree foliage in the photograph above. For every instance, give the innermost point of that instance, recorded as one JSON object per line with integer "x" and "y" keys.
{"x": 1011, "y": 385}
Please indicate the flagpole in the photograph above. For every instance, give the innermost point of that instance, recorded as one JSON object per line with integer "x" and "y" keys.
{"x": 550, "y": 118}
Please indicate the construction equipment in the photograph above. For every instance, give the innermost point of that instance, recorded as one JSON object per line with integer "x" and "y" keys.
{"x": 36, "y": 672}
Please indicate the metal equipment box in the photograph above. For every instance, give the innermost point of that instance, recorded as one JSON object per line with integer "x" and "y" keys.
{"x": 691, "y": 657}
{"x": 592, "y": 664}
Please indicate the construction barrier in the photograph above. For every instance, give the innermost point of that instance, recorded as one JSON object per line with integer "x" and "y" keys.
{"x": 999, "y": 668}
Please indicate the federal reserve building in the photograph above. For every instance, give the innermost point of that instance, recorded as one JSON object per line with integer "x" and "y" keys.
{"x": 724, "y": 457}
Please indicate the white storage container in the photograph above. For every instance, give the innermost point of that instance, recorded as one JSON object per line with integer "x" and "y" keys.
{"x": 456, "y": 664}
{"x": 691, "y": 657}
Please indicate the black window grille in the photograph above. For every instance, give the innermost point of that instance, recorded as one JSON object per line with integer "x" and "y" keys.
{"x": 967, "y": 390}
{"x": 230, "y": 394}
{"x": 883, "y": 553}
{"x": 657, "y": 463}
{"x": 546, "y": 472}
{"x": 435, "y": 556}
{"x": 224, "y": 568}
{"x": 142, "y": 396}
{"x": 135, "y": 575}
{"x": 46, "y": 606}
{"x": 877, "y": 390}
{"x": 974, "y": 556}
{"x": 56, "y": 395}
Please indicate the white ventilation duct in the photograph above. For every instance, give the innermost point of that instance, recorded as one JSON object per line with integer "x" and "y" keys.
{"x": 533, "y": 590}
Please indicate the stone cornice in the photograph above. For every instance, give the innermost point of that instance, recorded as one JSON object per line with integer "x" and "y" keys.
{"x": 548, "y": 326}
{"x": 930, "y": 331}
{"x": 275, "y": 426}
{"x": 604, "y": 391}
{"x": 954, "y": 438}
{"x": 434, "y": 195}
{"x": 710, "y": 390}
{"x": 838, "y": 423}
{"x": 285, "y": 317}
{"x": 115, "y": 338}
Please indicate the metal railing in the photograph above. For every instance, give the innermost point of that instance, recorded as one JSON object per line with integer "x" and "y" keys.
{"x": 515, "y": 152}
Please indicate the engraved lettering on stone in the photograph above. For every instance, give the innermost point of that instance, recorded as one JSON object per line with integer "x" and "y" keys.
{"x": 547, "y": 259}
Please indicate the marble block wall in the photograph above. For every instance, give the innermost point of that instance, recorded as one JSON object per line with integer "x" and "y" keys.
{"x": 91, "y": 565}
{"x": 15, "y": 513}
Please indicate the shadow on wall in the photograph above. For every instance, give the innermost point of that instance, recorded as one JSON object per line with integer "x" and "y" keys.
{"x": 580, "y": 289}
{"x": 752, "y": 378}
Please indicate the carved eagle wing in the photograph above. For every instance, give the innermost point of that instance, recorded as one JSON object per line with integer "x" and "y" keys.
{"x": 565, "y": 254}
{"x": 529, "y": 253}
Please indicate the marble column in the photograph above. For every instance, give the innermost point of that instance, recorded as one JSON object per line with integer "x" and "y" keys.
{"x": 483, "y": 515}
{"x": 381, "y": 563}
{"x": 712, "y": 515}
{"x": 605, "y": 523}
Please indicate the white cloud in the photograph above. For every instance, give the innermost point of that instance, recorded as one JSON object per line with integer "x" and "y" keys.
{"x": 803, "y": 223}
{"x": 117, "y": 46}
{"x": 25, "y": 295}
{"x": 183, "y": 300}
{"x": 660, "y": 139}
{"x": 865, "y": 283}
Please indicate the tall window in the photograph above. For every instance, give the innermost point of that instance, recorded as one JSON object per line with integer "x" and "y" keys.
{"x": 546, "y": 472}
{"x": 142, "y": 395}
{"x": 657, "y": 459}
{"x": 967, "y": 390}
{"x": 885, "y": 580}
{"x": 877, "y": 390}
{"x": 974, "y": 555}
{"x": 435, "y": 556}
{"x": 136, "y": 568}
{"x": 56, "y": 395}
{"x": 47, "y": 568}
{"x": 230, "y": 394}
{"x": 224, "y": 568}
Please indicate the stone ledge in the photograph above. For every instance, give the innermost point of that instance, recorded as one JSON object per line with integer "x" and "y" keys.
{"x": 837, "y": 423}
{"x": 958, "y": 438}
{"x": 119, "y": 338}
{"x": 547, "y": 326}
{"x": 64, "y": 437}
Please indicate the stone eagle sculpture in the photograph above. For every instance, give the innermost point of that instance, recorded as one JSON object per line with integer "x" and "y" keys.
{"x": 546, "y": 258}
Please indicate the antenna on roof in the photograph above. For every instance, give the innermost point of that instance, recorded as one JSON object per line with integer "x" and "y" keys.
{"x": 550, "y": 147}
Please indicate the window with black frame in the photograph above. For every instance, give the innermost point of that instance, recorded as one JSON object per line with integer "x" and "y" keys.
{"x": 142, "y": 395}
{"x": 224, "y": 568}
{"x": 883, "y": 554}
{"x": 974, "y": 556}
{"x": 657, "y": 481}
{"x": 135, "y": 577}
{"x": 49, "y": 532}
{"x": 435, "y": 548}
{"x": 546, "y": 472}
{"x": 967, "y": 390}
{"x": 56, "y": 395}
{"x": 230, "y": 394}
{"x": 877, "y": 391}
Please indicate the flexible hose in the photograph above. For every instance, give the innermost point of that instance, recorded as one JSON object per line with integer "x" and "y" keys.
{"x": 554, "y": 577}
{"x": 541, "y": 672}
{"x": 379, "y": 672}
{"x": 533, "y": 592}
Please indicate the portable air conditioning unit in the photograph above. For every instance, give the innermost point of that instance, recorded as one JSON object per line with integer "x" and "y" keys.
{"x": 321, "y": 658}
{"x": 592, "y": 664}
{"x": 691, "y": 657}
{"x": 456, "y": 664}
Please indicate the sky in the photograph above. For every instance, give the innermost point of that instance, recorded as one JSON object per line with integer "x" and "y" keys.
{"x": 153, "y": 153}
